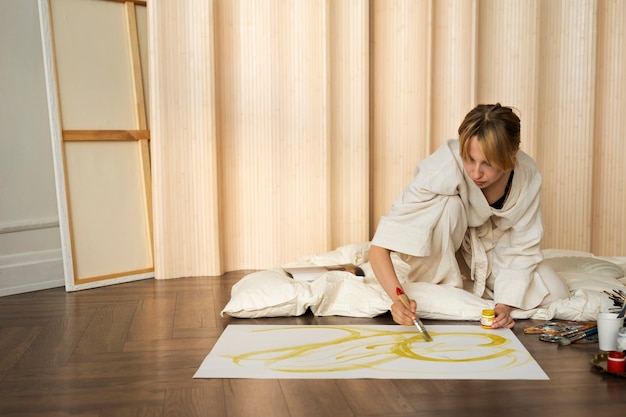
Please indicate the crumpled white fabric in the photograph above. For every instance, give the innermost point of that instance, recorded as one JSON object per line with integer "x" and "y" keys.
{"x": 272, "y": 293}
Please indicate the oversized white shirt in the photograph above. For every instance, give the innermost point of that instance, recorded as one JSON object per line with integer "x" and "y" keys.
{"x": 501, "y": 246}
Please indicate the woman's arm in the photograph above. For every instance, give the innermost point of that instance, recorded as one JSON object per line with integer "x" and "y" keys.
{"x": 380, "y": 259}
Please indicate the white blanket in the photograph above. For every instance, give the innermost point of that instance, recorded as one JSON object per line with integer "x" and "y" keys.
{"x": 272, "y": 293}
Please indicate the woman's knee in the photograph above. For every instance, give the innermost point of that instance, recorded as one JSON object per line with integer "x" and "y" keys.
{"x": 557, "y": 286}
{"x": 454, "y": 220}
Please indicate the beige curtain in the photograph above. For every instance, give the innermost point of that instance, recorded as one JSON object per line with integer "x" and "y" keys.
{"x": 285, "y": 128}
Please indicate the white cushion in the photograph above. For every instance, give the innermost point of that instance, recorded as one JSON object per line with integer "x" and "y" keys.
{"x": 589, "y": 266}
{"x": 268, "y": 293}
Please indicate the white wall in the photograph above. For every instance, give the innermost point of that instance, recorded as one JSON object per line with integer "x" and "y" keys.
{"x": 30, "y": 247}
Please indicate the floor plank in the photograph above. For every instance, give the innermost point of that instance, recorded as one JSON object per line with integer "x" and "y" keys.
{"x": 14, "y": 341}
{"x": 54, "y": 346}
{"x": 255, "y": 398}
{"x": 153, "y": 319}
{"x": 315, "y": 397}
{"x": 109, "y": 328}
{"x": 194, "y": 402}
{"x": 375, "y": 397}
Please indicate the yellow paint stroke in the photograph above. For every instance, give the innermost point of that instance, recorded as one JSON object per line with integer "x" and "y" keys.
{"x": 370, "y": 348}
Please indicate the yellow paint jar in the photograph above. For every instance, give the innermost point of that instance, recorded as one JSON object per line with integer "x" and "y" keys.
{"x": 486, "y": 319}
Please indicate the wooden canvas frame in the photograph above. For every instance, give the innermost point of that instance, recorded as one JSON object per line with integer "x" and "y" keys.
{"x": 100, "y": 138}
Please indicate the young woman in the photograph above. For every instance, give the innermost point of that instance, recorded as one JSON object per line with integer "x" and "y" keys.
{"x": 473, "y": 205}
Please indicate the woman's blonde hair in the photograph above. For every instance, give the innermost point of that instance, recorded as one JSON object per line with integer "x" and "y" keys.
{"x": 497, "y": 129}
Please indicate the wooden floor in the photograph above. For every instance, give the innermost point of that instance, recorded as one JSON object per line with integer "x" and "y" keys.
{"x": 132, "y": 349}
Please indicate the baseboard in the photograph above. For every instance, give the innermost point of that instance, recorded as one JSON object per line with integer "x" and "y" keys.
{"x": 32, "y": 271}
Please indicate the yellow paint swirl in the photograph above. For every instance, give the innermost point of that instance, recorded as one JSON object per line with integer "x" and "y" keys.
{"x": 355, "y": 348}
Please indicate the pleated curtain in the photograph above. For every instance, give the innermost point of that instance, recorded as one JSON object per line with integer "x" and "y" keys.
{"x": 286, "y": 128}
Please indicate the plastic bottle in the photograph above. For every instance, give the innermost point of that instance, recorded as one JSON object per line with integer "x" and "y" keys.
{"x": 621, "y": 339}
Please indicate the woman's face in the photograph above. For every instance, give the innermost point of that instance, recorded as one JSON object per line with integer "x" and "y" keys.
{"x": 478, "y": 168}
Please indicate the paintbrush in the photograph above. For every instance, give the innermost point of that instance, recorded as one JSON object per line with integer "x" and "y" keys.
{"x": 566, "y": 340}
{"x": 418, "y": 323}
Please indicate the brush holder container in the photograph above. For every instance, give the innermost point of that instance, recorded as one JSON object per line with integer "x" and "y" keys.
{"x": 621, "y": 339}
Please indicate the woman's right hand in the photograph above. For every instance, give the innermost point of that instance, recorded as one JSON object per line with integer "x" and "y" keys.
{"x": 402, "y": 315}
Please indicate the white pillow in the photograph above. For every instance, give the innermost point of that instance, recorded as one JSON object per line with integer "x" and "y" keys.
{"x": 268, "y": 293}
{"x": 355, "y": 253}
{"x": 588, "y": 266}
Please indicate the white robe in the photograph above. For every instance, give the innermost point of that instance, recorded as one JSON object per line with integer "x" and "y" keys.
{"x": 442, "y": 211}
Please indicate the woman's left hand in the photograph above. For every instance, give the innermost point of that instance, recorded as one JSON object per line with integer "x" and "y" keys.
{"x": 503, "y": 317}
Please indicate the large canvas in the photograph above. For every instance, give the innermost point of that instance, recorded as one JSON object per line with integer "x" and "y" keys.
{"x": 99, "y": 128}
{"x": 368, "y": 351}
